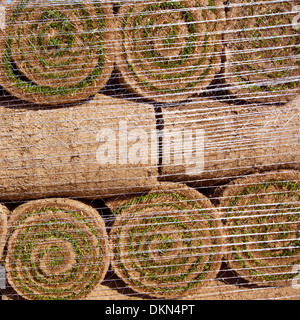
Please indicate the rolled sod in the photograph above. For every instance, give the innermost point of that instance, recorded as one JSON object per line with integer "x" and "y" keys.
{"x": 55, "y": 52}
{"x": 169, "y": 50}
{"x": 262, "y": 46}
{"x": 4, "y": 212}
{"x": 207, "y": 142}
{"x": 57, "y": 249}
{"x": 96, "y": 149}
{"x": 262, "y": 226}
{"x": 166, "y": 243}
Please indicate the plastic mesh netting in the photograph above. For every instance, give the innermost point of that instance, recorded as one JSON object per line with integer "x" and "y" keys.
{"x": 149, "y": 150}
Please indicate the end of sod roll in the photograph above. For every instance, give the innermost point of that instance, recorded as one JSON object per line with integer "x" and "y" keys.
{"x": 56, "y": 52}
{"x": 58, "y": 249}
{"x": 4, "y": 213}
{"x": 261, "y": 214}
{"x": 166, "y": 243}
{"x": 262, "y": 49}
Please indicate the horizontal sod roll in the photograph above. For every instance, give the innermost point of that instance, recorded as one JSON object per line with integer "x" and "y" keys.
{"x": 4, "y": 212}
{"x": 56, "y": 52}
{"x": 97, "y": 149}
{"x": 207, "y": 142}
{"x": 57, "y": 249}
{"x": 262, "y": 49}
{"x": 262, "y": 226}
{"x": 166, "y": 243}
{"x": 169, "y": 50}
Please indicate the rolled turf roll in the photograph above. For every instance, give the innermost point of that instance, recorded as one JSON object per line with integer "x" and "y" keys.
{"x": 55, "y": 52}
{"x": 262, "y": 226}
{"x": 169, "y": 50}
{"x": 166, "y": 243}
{"x": 207, "y": 142}
{"x": 262, "y": 46}
{"x": 57, "y": 249}
{"x": 4, "y": 212}
{"x": 95, "y": 149}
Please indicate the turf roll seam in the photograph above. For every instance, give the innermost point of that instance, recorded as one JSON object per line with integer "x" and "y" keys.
{"x": 169, "y": 50}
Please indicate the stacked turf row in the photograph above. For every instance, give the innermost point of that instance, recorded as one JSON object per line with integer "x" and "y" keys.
{"x": 165, "y": 51}
{"x": 169, "y": 50}
{"x": 56, "y": 52}
{"x": 57, "y": 249}
{"x": 262, "y": 226}
{"x": 166, "y": 243}
{"x": 262, "y": 45}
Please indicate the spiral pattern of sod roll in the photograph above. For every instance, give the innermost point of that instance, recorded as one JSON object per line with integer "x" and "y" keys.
{"x": 169, "y": 50}
{"x": 263, "y": 48}
{"x": 58, "y": 249}
{"x": 4, "y": 212}
{"x": 56, "y": 52}
{"x": 262, "y": 226}
{"x": 166, "y": 243}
